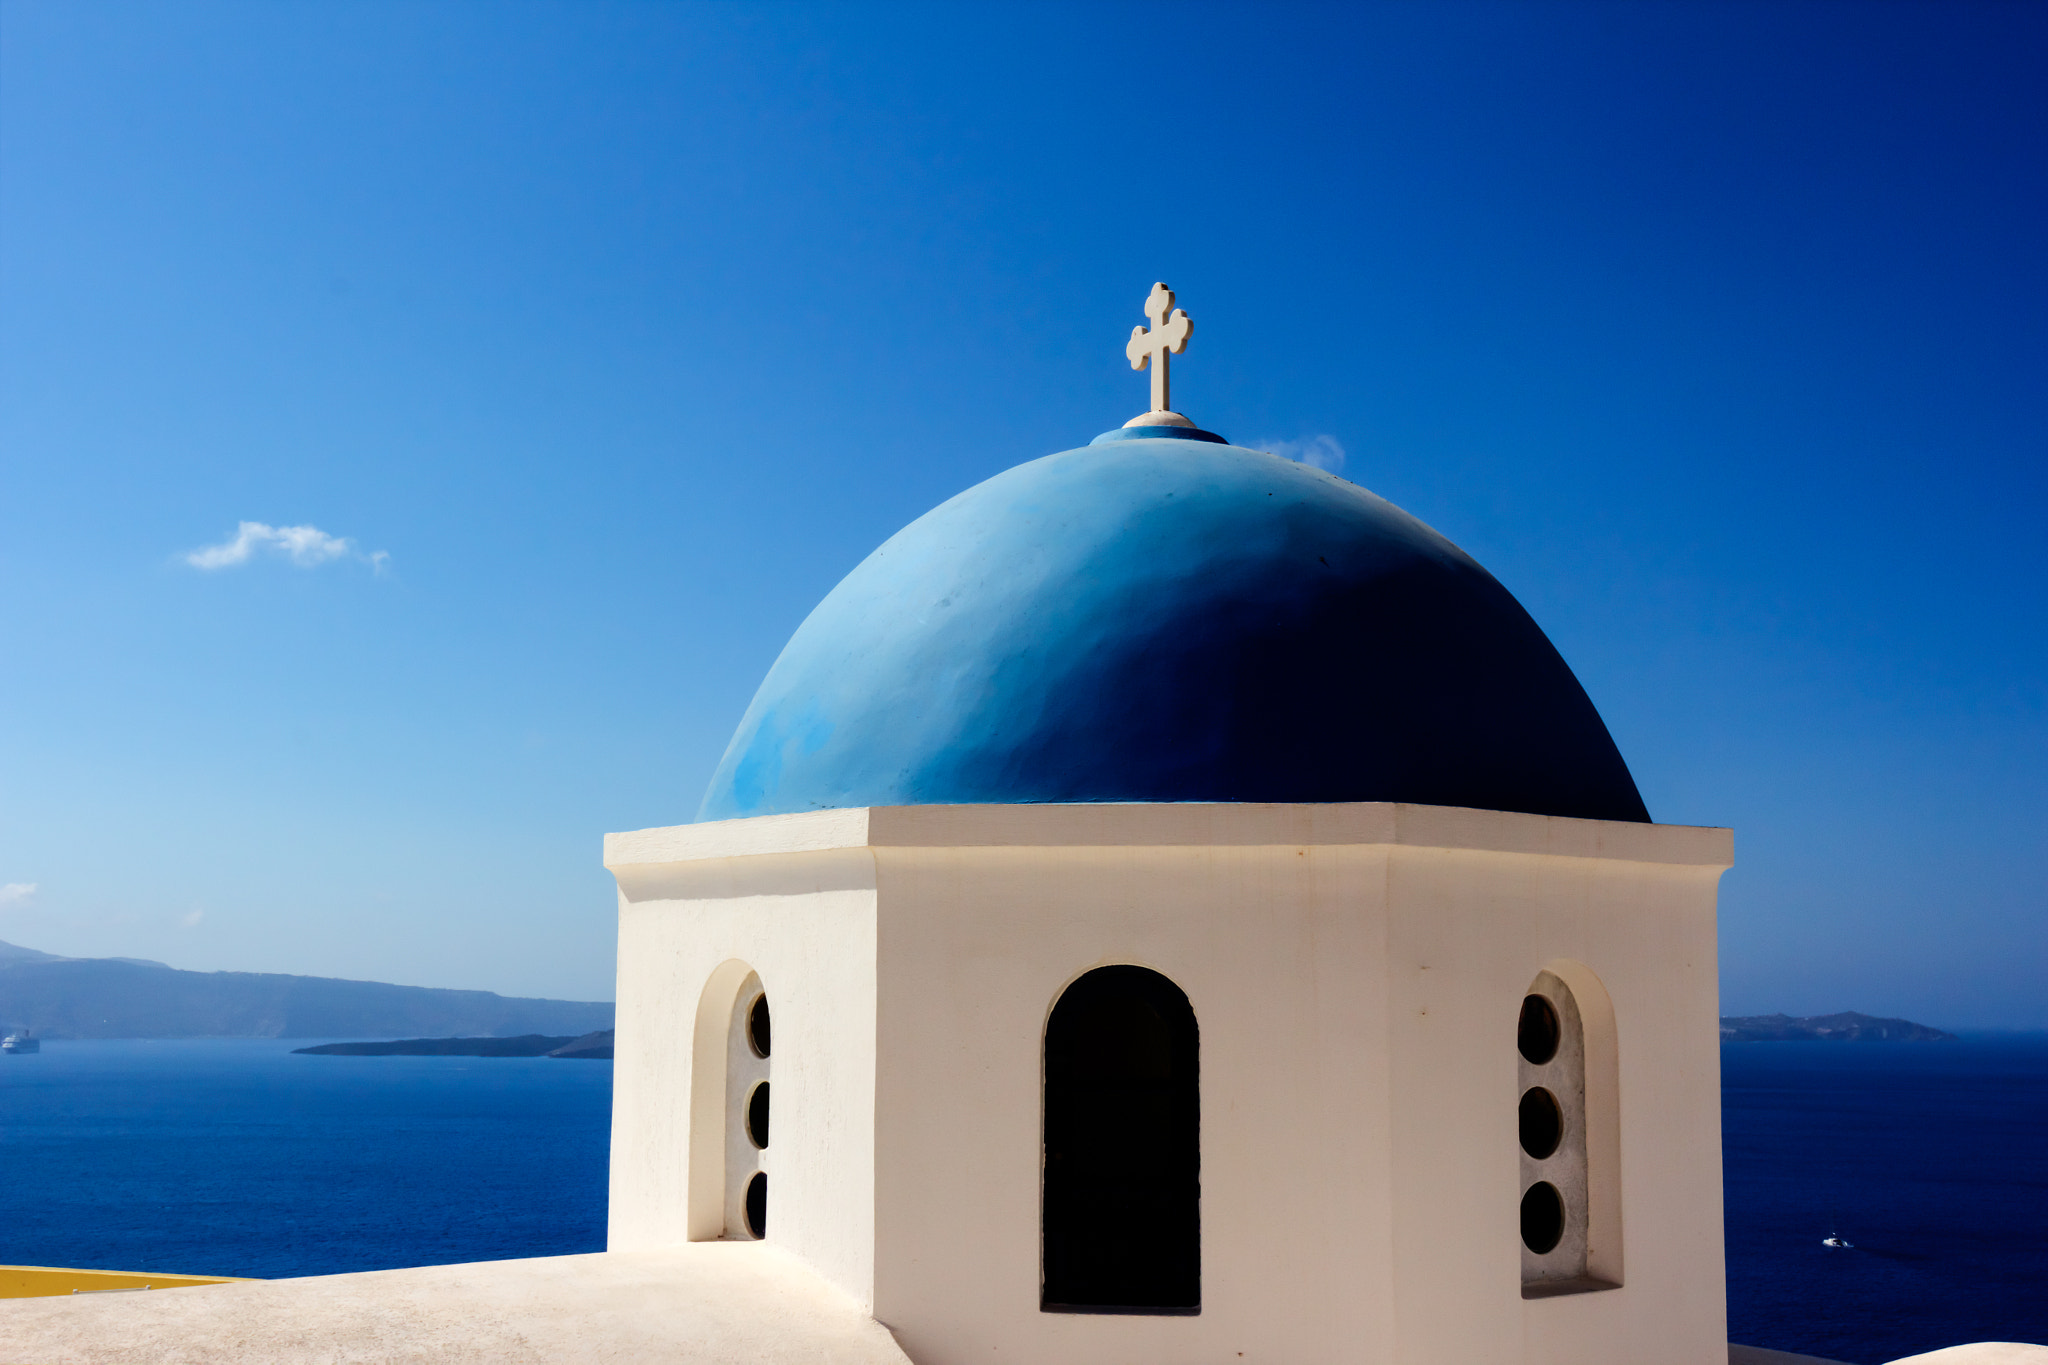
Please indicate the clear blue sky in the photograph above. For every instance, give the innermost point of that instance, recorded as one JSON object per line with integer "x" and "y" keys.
{"x": 609, "y": 336}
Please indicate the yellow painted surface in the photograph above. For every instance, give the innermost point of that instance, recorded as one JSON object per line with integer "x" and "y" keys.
{"x": 39, "y": 1281}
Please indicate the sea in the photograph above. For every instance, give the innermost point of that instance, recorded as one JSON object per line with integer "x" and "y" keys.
{"x": 235, "y": 1157}
{"x": 1930, "y": 1159}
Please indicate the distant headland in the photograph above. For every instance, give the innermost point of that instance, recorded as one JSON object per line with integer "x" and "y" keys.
{"x": 595, "y": 1047}
{"x": 1848, "y": 1027}
{"x": 48, "y": 996}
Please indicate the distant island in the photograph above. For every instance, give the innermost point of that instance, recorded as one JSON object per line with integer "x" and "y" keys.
{"x": 48, "y": 996}
{"x": 591, "y": 1047}
{"x": 1832, "y": 1028}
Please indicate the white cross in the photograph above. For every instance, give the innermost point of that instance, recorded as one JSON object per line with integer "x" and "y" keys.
{"x": 1168, "y": 333}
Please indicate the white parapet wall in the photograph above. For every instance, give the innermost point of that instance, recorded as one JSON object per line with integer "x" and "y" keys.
{"x": 707, "y": 1303}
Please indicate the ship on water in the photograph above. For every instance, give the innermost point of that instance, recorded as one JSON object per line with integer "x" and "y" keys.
{"x": 15, "y": 1044}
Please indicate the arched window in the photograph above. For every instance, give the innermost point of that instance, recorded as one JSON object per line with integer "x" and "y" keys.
{"x": 729, "y": 1095}
{"x": 1567, "y": 1126}
{"x": 1122, "y": 1223}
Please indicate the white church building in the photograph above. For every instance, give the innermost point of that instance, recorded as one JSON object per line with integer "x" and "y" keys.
{"x": 1166, "y": 906}
{"x": 1131, "y": 1001}
{"x": 1174, "y": 1082}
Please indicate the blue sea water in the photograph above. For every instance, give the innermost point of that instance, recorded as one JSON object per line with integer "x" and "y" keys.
{"x": 1931, "y": 1158}
{"x": 237, "y": 1158}
{"x": 234, "y": 1157}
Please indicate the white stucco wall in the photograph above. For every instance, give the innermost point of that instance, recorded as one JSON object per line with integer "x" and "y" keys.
{"x": 1356, "y": 972}
{"x": 805, "y": 922}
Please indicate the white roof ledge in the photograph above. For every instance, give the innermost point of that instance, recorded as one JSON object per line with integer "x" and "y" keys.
{"x": 1172, "y": 824}
{"x": 723, "y": 1302}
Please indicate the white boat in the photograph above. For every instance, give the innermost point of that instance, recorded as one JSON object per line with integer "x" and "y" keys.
{"x": 18, "y": 1043}
{"x": 1831, "y": 1240}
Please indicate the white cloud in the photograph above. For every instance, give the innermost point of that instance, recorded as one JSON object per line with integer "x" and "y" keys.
{"x": 1322, "y": 451}
{"x": 16, "y": 893}
{"x": 305, "y": 546}
{"x": 191, "y": 920}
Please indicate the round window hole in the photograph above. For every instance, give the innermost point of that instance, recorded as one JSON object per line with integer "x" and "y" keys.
{"x": 1542, "y": 1217}
{"x": 757, "y": 1026}
{"x": 1542, "y": 1121}
{"x": 1538, "y": 1033}
{"x": 757, "y": 1117}
{"x": 757, "y": 1204}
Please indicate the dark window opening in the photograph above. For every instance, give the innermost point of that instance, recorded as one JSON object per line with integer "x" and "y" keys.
{"x": 1542, "y": 1122}
{"x": 757, "y": 1204}
{"x": 1539, "y": 1031}
{"x": 757, "y": 1026}
{"x": 757, "y": 1116}
{"x": 1123, "y": 1159}
{"x": 1542, "y": 1217}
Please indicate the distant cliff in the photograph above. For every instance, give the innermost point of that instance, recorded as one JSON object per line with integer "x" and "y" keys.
{"x": 1834, "y": 1028}
{"x": 106, "y": 997}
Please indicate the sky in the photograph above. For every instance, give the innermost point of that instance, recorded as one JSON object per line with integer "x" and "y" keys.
{"x": 423, "y": 422}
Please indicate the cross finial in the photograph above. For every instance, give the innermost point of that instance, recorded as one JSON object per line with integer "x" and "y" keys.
{"x": 1168, "y": 334}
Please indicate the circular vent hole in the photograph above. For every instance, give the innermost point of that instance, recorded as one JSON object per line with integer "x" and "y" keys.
{"x": 1542, "y": 1217}
{"x": 1538, "y": 1034}
{"x": 757, "y": 1117}
{"x": 757, "y": 1026}
{"x": 1542, "y": 1122}
{"x": 757, "y": 1204}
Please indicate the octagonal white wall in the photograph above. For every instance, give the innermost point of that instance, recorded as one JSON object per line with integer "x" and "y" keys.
{"x": 1356, "y": 972}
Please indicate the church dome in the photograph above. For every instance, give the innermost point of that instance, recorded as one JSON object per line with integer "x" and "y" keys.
{"x": 1170, "y": 620}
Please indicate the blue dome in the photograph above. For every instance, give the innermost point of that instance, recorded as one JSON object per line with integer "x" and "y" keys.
{"x": 1170, "y": 620}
